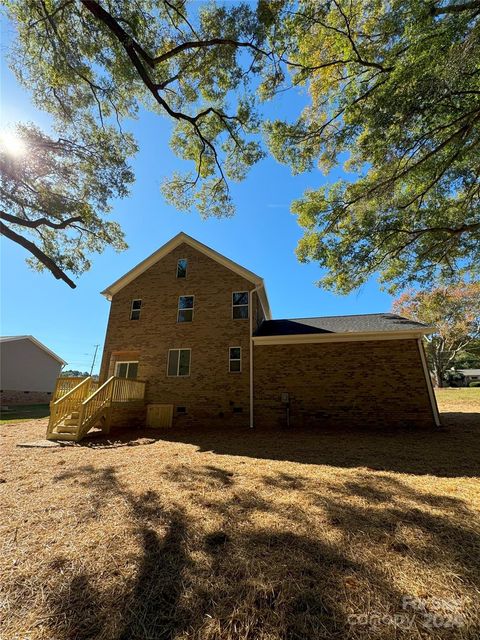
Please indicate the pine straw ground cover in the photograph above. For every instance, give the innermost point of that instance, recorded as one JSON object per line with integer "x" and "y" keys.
{"x": 243, "y": 535}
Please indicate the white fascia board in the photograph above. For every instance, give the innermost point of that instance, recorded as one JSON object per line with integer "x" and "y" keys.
{"x": 312, "y": 338}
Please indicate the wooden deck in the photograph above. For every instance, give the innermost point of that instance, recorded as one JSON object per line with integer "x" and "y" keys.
{"x": 80, "y": 404}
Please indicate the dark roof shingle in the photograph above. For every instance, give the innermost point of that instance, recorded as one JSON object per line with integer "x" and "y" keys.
{"x": 338, "y": 324}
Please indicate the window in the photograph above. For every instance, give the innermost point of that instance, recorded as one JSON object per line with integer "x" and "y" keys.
{"x": 181, "y": 409}
{"x": 235, "y": 359}
{"x": 240, "y": 304}
{"x": 182, "y": 268}
{"x": 126, "y": 369}
{"x": 178, "y": 362}
{"x": 185, "y": 309}
{"x": 135, "y": 310}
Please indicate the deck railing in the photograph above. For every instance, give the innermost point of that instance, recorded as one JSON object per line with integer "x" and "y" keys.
{"x": 128, "y": 390}
{"x": 66, "y": 404}
{"x": 65, "y": 384}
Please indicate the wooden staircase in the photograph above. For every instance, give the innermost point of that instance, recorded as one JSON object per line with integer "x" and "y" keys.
{"x": 82, "y": 407}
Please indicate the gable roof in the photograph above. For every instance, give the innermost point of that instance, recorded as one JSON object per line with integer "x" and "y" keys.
{"x": 367, "y": 323}
{"x": 35, "y": 342}
{"x": 172, "y": 244}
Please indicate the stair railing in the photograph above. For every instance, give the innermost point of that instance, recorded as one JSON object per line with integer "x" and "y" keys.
{"x": 68, "y": 403}
{"x": 94, "y": 404}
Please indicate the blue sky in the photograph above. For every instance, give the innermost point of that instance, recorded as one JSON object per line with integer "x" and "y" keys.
{"x": 262, "y": 237}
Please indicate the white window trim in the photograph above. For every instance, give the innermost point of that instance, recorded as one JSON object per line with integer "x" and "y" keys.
{"x": 234, "y": 360}
{"x": 178, "y": 363}
{"x": 241, "y": 305}
{"x": 119, "y": 362}
{"x": 179, "y": 309}
{"x": 132, "y": 309}
{"x": 186, "y": 271}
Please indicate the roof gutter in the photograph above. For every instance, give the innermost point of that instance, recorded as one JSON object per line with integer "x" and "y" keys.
{"x": 349, "y": 336}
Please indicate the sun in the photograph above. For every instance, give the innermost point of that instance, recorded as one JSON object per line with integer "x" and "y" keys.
{"x": 11, "y": 143}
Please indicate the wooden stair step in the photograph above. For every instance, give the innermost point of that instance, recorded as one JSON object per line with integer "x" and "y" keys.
{"x": 62, "y": 436}
{"x": 62, "y": 428}
{"x": 71, "y": 422}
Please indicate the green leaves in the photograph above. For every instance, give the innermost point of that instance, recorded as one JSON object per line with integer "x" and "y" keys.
{"x": 54, "y": 196}
{"x": 394, "y": 93}
{"x": 405, "y": 106}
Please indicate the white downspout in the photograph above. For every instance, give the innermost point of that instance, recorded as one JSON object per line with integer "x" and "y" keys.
{"x": 428, "y": 380}
{"x": 250, "y": 311}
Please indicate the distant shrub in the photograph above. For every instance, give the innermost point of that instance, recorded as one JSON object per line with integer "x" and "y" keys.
{"x": 475, "y": 384}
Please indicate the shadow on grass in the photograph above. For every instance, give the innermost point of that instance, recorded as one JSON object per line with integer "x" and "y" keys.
{"x": 12, "y": 413}
{"x": 252, "y": 582}
{"x": 451, "y": 451}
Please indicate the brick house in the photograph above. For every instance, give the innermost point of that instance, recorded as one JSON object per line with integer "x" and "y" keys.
{"x": 197, "y": 328}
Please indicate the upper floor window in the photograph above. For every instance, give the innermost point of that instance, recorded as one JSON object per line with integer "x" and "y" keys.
{"x": 178, "y": 362}
{"x": 235, "y": 359}
{"x": 126, "y": 369}
{"x": 182, "y": 268}
{"x": 240, "y": 304}
{"x": 185, "y": 308}
{"x": 135, "y": 310}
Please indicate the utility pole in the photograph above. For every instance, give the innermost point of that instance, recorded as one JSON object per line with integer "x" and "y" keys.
{"x": 94, "y": 358}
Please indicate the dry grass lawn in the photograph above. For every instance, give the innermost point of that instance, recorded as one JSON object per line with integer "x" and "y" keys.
{"x": 244, "y": 535}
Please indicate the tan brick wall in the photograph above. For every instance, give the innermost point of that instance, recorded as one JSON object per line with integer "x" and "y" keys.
{"x": 131, "y": 416}
{"x": 210, "y": 391}
{"x": 342, "y": 384}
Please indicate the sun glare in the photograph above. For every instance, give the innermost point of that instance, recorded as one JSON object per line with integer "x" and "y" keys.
{"x": 11, "y": 143}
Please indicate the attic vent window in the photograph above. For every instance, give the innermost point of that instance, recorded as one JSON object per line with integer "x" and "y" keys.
{"x": 240, "y": 305}
{"x": 135, "y": 310}
{"x": 182, "y": 268}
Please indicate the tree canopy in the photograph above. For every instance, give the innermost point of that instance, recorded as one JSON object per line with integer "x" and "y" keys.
{"x": 54, "y": 196}
{"x": 396, "y": 91}
{"x": 392, "y": 90}
{"x": 455, "y": 314}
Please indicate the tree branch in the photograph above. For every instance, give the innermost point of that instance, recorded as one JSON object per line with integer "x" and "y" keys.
{"x": 38, "y": 253}
{"x": 455, "y": 8}
{"x": 33, "y": 224}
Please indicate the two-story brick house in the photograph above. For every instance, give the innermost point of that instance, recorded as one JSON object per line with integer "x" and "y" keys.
{"x": 197, "y": 328}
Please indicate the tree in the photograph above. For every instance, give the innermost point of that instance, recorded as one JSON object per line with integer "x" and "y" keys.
{"x": 55, "y": 192}
{"x": 455, "y": 314}
{"x": 110, "y": 59}
{"x": 393, "y": 88}
{"x": 469, "y": 358}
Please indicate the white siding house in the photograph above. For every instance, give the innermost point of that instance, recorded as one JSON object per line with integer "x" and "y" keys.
{"x": 28, "y": 370}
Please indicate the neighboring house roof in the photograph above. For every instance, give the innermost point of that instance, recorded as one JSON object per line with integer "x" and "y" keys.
{"x": 375, "y": 323}
{"x": 469, "y": 372}
{"x": 211, "y": 253}
{"x": 35, "y": 342}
